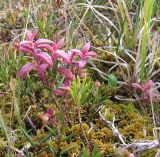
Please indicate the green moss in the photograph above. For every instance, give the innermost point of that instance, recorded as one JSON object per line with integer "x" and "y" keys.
{"x": 99, "y": 133}
{"x": 148, "y": 153}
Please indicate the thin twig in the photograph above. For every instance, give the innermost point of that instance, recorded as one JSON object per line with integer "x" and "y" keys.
{"x": 112, "y": 126}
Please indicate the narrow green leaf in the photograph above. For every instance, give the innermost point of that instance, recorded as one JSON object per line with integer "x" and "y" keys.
{"x": 26, "y": 152}
{"x": 53, "y": 151}
{"x": 4, "y": 129}
{"x": 40, "y": 26}
{"x": 67, "y": 149}
{"x": 28, "y": 137}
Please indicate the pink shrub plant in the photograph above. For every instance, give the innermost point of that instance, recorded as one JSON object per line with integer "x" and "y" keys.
{"x": 147, "y": 92}
{"x": 45, "y": 52}
{"x": 49, "y": 117}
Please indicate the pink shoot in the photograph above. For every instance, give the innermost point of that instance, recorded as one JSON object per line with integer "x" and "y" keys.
{"x": 86, "y": 48}
{"x": 61, "y": 54}
{"x": 45, "y": 46}
{"x": 58, "y": 45}
{"x": 41, "y": 41}
{"x": 45, "y": 57}
{"x": 97, "y": 84}
{"x": 48, "y": 117}
{"x": 26, "y": 69}
{"x": 41, "y": 71}
{"x": 68, "y": 74}
{"x": 147, "y": 91}
{"x": 30, "y": 36}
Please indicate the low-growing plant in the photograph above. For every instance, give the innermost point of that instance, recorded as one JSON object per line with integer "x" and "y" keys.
{"x": 48, "y": 57}
{"x": 85, "y": 90}
{"x": 147, "y": 91}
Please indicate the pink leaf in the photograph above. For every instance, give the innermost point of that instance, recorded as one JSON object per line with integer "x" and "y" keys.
{"x": 91, "y": 54}
{"x": 74, "y": 52}
{"x": 146, "y": 90}
{"x": 26, "y": 48}
{"x": 144, "y": 87}
{"x": 67, "y": 83}
{"x": 147, "y": 86}
{"x": 54, "y": 46}
{"x": 26, "y": 69}
{"x": 68, "y": 74}
{"x": 45, "y": 46}
{"x": 45, "y": 57}
{"x": 48, "y": 116}
{"x": 59, "y": 92}
{"x": 49, "y": 112}
{"x": 60, "y": 43}
{"x": 64, "y": 88}
{"x": 34, "y": 33}
{"x": 86, "y": 48}
{"x": 41, "y": 41}
{"x": 29, "y": 35}
{"x": 41, "y": 70}
{"x": 63, "y": 55}
{"x": 153, "y": 95}
{"x": 53, "y": 120}
{"x": 137, "y": 86}
{"x": 26, "y": 42}
{"x": 81, "y": 64}
{"x": 37, "y": 51}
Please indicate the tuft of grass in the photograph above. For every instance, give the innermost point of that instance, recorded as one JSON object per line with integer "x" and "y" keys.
{"x": 5, "y": 130}
{"x": 148, "y": 11}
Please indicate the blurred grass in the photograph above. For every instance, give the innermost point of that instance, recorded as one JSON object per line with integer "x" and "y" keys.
{"x": 148, "y": 11}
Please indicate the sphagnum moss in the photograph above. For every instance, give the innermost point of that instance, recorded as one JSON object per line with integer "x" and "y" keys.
{"x": 100, "y": 134}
